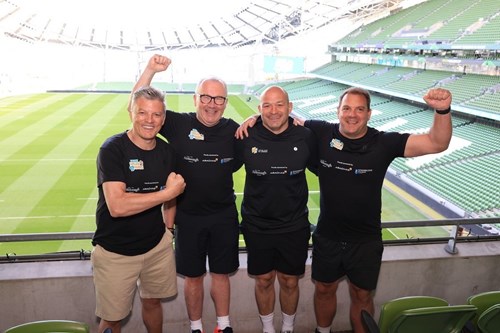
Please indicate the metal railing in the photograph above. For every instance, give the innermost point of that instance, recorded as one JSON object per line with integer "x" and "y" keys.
{"x": 461, "y": 231}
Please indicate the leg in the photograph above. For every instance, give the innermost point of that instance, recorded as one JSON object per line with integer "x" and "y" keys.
{"x": 114, "y": 325}
{"x": 193, "y": 294}
{"x": 289, "y": 293}
{"x": 264, "y": 292}
{"x": 361, "y": 299}
{"x": 221, "y": 293}
{"x": 152, "y": 314}
{"x": 325, "y": 302}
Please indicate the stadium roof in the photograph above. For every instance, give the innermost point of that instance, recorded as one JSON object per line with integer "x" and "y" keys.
{"x": 161, "y": 25}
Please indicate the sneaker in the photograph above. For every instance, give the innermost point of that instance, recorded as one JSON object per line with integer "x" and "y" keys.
{"x": 226, "y": 330}
{"x": 196, "y": 331}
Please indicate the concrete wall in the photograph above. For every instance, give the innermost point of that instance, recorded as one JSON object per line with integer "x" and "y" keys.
{"x": 64, "y": 290}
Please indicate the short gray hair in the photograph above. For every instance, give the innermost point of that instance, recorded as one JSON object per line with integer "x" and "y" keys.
{"x": 149, "y": 93}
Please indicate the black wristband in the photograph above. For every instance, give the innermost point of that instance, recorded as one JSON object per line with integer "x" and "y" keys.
{"x": 446, "y": 111}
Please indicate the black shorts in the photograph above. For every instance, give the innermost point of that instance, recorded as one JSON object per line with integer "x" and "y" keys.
{"x": 286, "y": 252}
{"x": 215, "y": 236}
{"x": 360, "y": 262}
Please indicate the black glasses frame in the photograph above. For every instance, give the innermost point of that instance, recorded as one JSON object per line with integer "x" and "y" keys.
{"x": 218, "y": 100}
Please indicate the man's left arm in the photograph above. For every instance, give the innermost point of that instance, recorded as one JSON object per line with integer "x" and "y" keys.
{"x": 439, "y": 136}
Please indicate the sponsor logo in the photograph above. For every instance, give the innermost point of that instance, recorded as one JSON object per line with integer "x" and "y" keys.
{"x": 325, "y": 164}
{"x": 195, "y": 135}
{"x": 344, "y": 166}
{"x": 296, "y": 172}
{"x": 191, "y": 159}
{"x": 256, "y": 150}
{"x": 337, "y": 144}
{"x": 135, "y": 164}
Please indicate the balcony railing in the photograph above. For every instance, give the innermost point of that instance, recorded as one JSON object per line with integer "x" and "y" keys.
{"x": 462, "y": 230}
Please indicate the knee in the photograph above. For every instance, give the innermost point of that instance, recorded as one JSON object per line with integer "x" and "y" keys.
{"x": 289, "y": 282}
{"x": 264, "y": 281}
{"x": 325, "y": 289}
{"x": 220, "y": 278}
{"x": 150, "y": 303}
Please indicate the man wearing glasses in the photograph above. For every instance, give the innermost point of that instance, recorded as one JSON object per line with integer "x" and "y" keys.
{"x": 207, "y": 218}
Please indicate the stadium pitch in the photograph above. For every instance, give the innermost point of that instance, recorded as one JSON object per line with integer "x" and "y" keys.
{"x": 48, "y": 146}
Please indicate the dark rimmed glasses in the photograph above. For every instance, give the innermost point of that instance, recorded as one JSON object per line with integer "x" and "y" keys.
{"x": 218, "y": 100}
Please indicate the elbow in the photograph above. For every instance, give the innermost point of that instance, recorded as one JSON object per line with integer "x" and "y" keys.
{"x": 115, "y": 211}
{"x": 442, "y": 147}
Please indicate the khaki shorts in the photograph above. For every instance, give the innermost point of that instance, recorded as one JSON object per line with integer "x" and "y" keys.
{"x": 116, "y": 278}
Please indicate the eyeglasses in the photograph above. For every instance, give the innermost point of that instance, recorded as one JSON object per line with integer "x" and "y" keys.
{"x": 218, "y": 100}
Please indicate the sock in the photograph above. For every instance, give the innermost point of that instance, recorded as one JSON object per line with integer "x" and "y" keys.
{"x": 288, "y": 321}
{"x": 323, "y": 329}
{"x": 223, "y": 322}
{"x": 268, "y": 323}
{"x": 196, "y": 325}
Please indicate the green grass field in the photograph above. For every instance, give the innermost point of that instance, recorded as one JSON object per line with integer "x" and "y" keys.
{"x": 48, "y": 147}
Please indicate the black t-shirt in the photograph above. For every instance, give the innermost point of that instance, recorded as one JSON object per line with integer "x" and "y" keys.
{"x": 142, "y": 171}
{"x": 276, "y": 192}
{"x": 351, "y": 175}
{"x": 205, "y": 158}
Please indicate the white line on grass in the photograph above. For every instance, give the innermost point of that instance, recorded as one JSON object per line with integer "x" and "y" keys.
{"x": 44, "y": 217}
{"x": 45, "y": 159}
{"x": 25, "y": 217}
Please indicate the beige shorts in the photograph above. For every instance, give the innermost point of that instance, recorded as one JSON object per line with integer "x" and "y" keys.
{"x": 116, "y": 278}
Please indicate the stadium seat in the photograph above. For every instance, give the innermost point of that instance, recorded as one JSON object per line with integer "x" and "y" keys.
{"x": 483, "y": 301}
{"x": 392, "y": 309}
{"x": 489, "y": 320}
{"x": 48, "y": 326}
{"x": 438, "y": 319}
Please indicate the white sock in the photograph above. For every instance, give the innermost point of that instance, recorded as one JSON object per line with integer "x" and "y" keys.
{"x": 323, "y": 329}
{"x": 288, "y": 321}
{"x": 196, "y": 325}
{"x": 268, "y": 323}
{"x": 223, "y": 322}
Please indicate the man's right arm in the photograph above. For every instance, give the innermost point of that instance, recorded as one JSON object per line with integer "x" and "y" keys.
{"x": 157, "y": 63}
{"x": 122, "y": 203}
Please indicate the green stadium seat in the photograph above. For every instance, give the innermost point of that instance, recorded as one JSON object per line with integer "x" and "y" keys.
{"x": 438, "y": 319}
{"x": 391, "y": 309}
{"x": 489, "y": 321}
{"x": 50, "y": 326}
{"x": 483, "y": 301}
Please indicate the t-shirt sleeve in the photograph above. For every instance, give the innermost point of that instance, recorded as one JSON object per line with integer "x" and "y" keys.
{"x": 109, "y": 166}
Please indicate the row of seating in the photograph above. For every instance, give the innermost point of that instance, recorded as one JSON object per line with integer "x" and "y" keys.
{"x": 438, "y": 20}
{"x": 418, "y": 314}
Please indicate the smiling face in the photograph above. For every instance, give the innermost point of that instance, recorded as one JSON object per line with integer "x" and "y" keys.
{"x": 148, "y": 116}
{"x": 275, "y": 108}
{"x": 209, "y": 114}
{"x": 353, "y": 113}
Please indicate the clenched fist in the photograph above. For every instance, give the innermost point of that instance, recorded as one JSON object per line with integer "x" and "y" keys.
{"x": 438, "y": 98}
{"x": 176, "y": 183}
{"x": 158, "y": 63}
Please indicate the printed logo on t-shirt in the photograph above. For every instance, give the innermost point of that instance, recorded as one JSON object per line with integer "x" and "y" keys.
{"x": 195, "y": 135}
{"x": 337, "y": 144}
{"x": 256, "y": 150}
{"x": 135, "y": 164}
